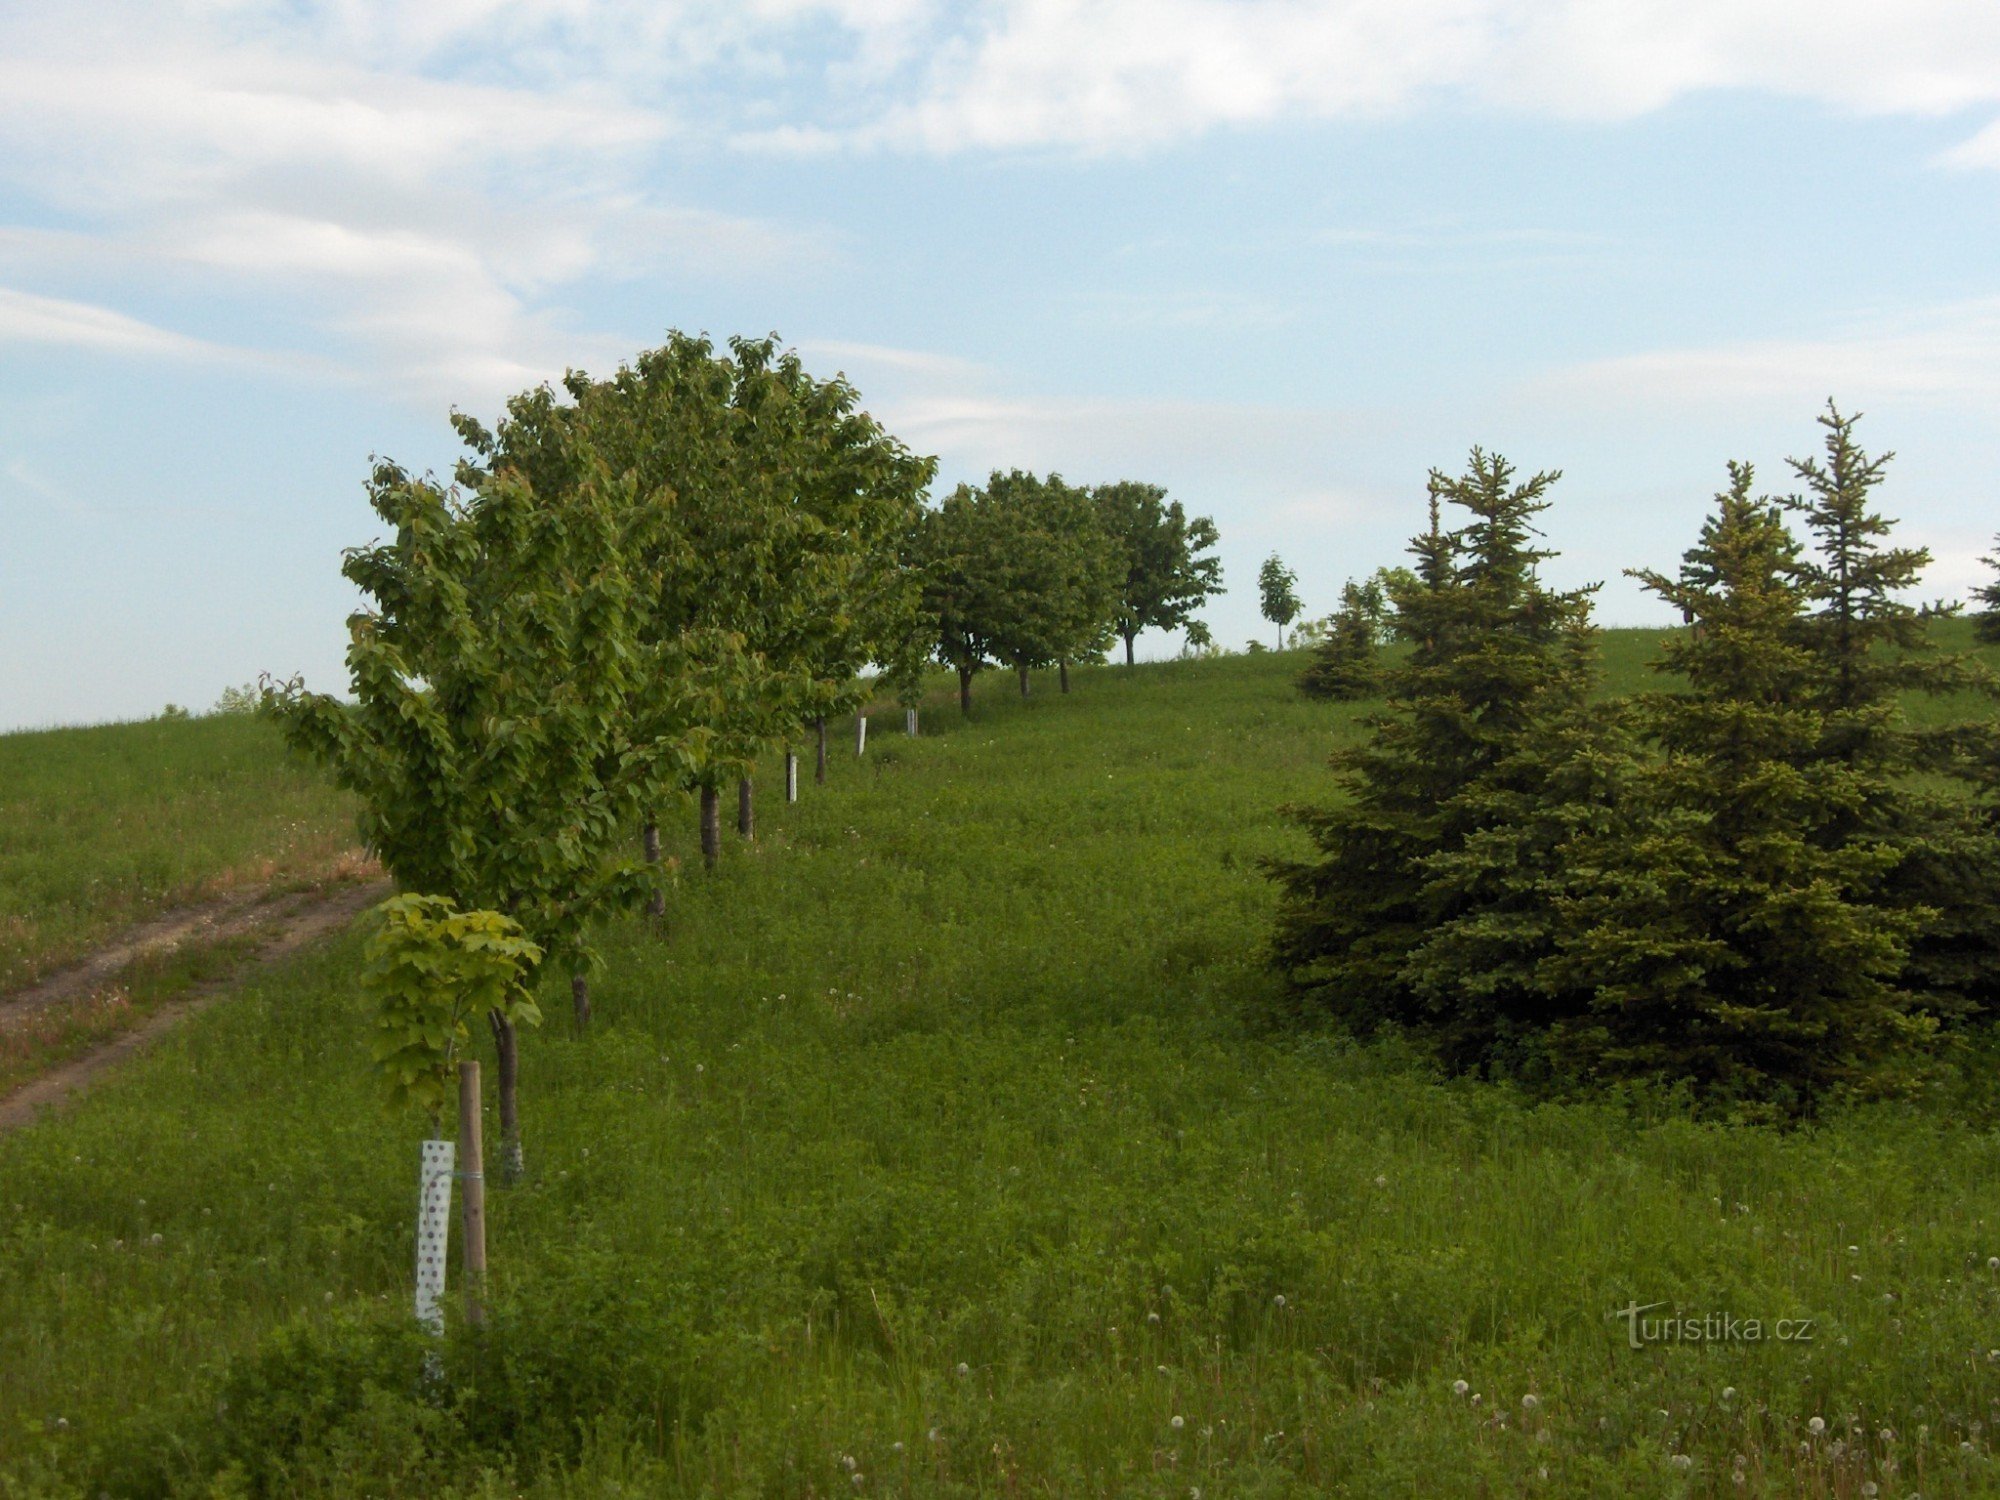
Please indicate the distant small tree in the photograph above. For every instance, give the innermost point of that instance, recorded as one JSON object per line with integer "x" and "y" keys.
{"x": 1277, "y": 591}
{"x": 1986, "y": 624}
{"x": 1167, "y": 577}
{"x": 1346, "y": 662}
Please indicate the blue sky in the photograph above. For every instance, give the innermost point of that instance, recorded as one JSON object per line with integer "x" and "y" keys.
{"x": 1280, "y": 257}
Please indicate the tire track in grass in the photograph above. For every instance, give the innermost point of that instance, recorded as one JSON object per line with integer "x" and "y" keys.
{"x": 277, "y": 926}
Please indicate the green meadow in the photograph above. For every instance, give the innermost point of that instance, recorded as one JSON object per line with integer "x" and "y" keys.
{"x": 108, "y": 824}
{"x": 946, "y": 1141}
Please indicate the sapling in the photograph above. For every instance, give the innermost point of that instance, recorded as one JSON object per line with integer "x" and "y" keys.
{"x": 431, "y": 968}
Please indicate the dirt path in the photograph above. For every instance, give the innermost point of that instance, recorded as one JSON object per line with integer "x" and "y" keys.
{"x": 292, "y": 921}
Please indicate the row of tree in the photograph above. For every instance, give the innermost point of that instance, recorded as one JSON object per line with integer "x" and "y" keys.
{"x": 1763, "y": 880}
{"x": 637, "y": 586}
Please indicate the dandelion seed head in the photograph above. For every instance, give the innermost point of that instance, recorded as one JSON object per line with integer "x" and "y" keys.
{"x": 1816, "y": 1426}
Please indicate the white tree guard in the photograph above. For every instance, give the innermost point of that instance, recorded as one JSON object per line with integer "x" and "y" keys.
{"x": 433, "y": 1230}
{"x": 910, "y": 722}
{"x": 861, "y": 734}
{"x": 791, "y": 777}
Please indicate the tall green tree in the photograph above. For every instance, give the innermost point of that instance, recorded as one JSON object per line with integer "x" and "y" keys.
{"x": 1730, "y": 935}
{"x": 485, "y": 743}
{"x": 1875, "y": 654}
{"x": 1425, "y": 904}
{"x": 1168, "y": 574}
{"x": 967, "y": 583}
{"x": 1277, "y": 595}
{"x": 1063, "y": 571}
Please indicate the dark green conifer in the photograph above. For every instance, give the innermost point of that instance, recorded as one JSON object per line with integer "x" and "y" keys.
{"x": 1347, "y": 664}
{"x": 1726, "y": 938}
{"x": 1478, "y": 717}
{"x": 1874, "y": 653}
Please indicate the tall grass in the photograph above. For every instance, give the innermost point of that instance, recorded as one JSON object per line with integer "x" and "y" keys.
{"x": 106, "y": 825}
{"x": 938, "y": 1142}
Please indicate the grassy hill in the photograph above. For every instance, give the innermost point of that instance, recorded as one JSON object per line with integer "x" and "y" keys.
{"x": 937, "y": 1149}
{"x": 109, "y": 824}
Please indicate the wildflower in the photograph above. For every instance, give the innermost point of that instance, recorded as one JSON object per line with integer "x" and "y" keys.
{"x": 1177, "y": 1422}
{"x": 893, "y": 1447}
{"x": 1279, "y": 1300}
{"x": 1816, "y": 1426}
{"x": 1530, "y": 1401}
{"x": 1869, "y": 1487}
{"x": 1459, "y": 1387}
{"x": 1681, "y": 1461}
{"x": 859, "y": 1480}
{"x": 1993, "y": 1262}
{"x": 1729, "y": 1393}
{"x": 934, "y": 1437}
{"x": 1152, "y": 1317}
{"x": 964, "y": 1368}
{"x": 848, "y": 1462}
{"x": 158, "y": 1239}
{"x": 1381, "y": 1182}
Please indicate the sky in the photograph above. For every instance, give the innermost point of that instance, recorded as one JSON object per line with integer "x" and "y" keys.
{"x": 1281, "y": 257}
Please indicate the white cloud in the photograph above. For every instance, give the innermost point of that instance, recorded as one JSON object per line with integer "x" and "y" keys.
{"x": 1943, "y": 354}
{"x": 28, "y": 319}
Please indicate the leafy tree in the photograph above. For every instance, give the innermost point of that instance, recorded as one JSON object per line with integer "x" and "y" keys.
{"x": 1167, "y": 577}
{"x": 1725, "y": 937}
{"x": 486, "y": 743}
{"x": 1277, "y": 592}
{"x": 1426, "y": 904}
{"x": 1019, "y": 571}
{"x": 966, "y": 583}
{"x": 1061, "y": 570}
{"x": 432, "y": 970}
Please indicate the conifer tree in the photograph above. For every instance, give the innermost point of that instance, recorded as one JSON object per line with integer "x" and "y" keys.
{"x": 1347, "y": 664}
{"x": 1409, "y": 858}
{"x": 1723, "y": 937}
{"x": 1874, "y": 652}
{"x": 1986, "y": 624}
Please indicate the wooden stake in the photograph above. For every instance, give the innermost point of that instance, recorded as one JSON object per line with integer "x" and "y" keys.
{"x": 471, "y": 1155}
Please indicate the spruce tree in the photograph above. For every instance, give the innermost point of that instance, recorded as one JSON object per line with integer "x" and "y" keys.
{"x": 1724, "y": 938}
{"x": 1347, "y": 664}
{"x": 1482, "y": 715}
{"x": 1873, "y": 652}
{"x": 1986, "y": 624}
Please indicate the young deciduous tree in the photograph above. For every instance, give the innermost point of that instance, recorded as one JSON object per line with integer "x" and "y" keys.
{"x": 1061, "y": 569}
{"x": 1277, "y": 595}
{"x": 1167, "y": 574}
{"x": 486, "y": 742}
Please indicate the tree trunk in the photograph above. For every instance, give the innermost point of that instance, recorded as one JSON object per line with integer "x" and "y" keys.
{"x": 711, "y": 827}
{"x": 1062, "y": 674}
{"x": 965, "y": 692}
{"x": 819, "y": 769}
{"x": 507, "y": 1047}
{"x": 1128, "y": 648}
{"x": 579, "y": 1001}
{"x": 746, "y": 817}
{"x": 656, "y": 904}
{"x": 1023, "y": 671}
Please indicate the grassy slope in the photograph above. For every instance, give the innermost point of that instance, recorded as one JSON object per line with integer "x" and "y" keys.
{"x": 948, "y": 1069}
{"x": 109, "y": 824}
